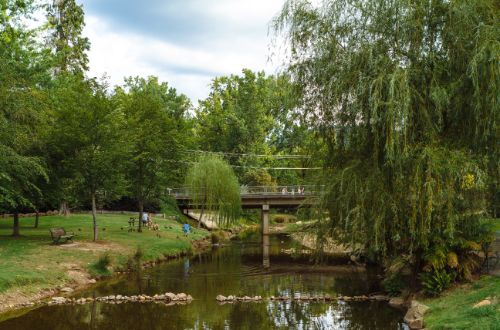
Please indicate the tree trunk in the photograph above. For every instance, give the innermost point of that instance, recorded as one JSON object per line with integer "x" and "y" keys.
{"x": 141, "y": 211}
{"x": 15, "y": 231}
{"x": 63, "y": 209}
{"x": 37, "y": 217}
{"x": 202, "y": 209}
{"x": 94, "y": 216}
{"x": 201, "y": 216}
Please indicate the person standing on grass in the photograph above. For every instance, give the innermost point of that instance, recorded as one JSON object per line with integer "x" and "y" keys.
{"x": 185, "y": 229}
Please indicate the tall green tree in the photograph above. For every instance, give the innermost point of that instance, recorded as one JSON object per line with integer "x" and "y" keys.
{"x": 406, "y": 97}
{"x": 157, "y": 134}
{"x": 67, "y": 19}
{"x": 213, "y": 186}
{"x": 89, "y": 126}
{"x": 246, "y": 114}
{"x": 21, "y": 99}
{"x": 236, "y": 117}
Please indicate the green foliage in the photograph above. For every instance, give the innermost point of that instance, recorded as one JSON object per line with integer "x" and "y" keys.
{"x": 22, "y": 257}
{"x": 285, "y": 218}
{"x": 66, "y": 19}
{"x": 408, "y": 108}
{"x": 394, "y": 284}
{"x": 22, "y": 99}
{"x": 100, "y": 267}
{"x": 254, "y": 113}
{"x": 169, "y": 206}
{"x": 214, "y": 187}
{"x": 436, "y": 281}
{"x": 279, "y": 219}
{"x": 155, "y": 122}
{"x": 214, "y": 238}
{"x": 258, "y": 177}
{"x": 237, "y": 115}
{"x": 85, "y": 145}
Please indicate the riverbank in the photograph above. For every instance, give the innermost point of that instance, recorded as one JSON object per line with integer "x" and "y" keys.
{"x": 470, "y": 306}
{"x": 33, "y": 268}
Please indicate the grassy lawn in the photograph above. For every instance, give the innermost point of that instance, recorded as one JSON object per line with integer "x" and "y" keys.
{"x": 30, "y": 263}
{"x": 496, "y": 224}
{"x": 453, "y": 310}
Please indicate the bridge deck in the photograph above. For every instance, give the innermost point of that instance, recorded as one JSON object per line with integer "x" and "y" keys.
{"x": 256, "y": 201}
{"x": 255, "y": 197}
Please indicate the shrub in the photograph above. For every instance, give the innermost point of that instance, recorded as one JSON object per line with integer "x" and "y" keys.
{"x": 104, "y": 262}
{"x": 279, "y": 219}
{"x": 394, "y": 285}
{"x": 100, "y": 267}
{"x": 215, "y": 238}
{"x": 436, "y": 281}
{"x": 169, "y": 206}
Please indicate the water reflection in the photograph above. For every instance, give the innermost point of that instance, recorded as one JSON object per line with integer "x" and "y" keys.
{"x": 238, "y": 270}
{"x": 265, "y": 251}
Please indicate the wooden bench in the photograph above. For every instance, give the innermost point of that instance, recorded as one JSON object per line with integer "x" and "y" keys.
{"x": 60, "y": 235}
{"x": 492, "y": 252}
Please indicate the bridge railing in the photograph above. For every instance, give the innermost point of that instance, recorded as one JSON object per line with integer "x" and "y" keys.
{"x": 289, "y": 190}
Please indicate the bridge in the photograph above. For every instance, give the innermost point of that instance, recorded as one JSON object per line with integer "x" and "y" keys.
{"x": 261, "y": 197}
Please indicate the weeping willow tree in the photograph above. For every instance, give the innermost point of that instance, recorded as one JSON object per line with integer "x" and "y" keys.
{"x": 406, "y": 96}
{"x": 213, "y": 187}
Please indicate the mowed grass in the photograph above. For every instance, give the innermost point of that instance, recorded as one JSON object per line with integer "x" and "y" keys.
{"x": 453, "y": 310}
{"x": 30, "y": 262}
{"x": 496, "y": 224}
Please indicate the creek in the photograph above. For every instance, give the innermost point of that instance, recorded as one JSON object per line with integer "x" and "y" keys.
{"x": 239, "y": 268}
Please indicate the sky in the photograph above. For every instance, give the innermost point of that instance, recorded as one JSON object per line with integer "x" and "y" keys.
{"x": 184, "y": 42}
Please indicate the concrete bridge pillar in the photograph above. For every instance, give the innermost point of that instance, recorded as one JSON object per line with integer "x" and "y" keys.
{"x": 265, "y": 219}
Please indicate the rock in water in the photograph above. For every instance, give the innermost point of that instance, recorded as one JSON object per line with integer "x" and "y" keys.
{"x": 220, "y": 298}
{"x": 397, "y": 302}
{"x": 170, "y": 295}
{"x": 59, "y": 300}
{"x": 415, "y": 315}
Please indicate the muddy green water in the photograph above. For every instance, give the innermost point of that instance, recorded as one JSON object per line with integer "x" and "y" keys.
{"x": 236, "y": 269}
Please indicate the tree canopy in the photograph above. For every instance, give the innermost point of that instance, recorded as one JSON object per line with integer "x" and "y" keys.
{"x": 397, "y": 102}
{"x": 406, "y": 97}
{"x": 213, "y": 186}
{"x": 155, "y": 131}
{"x": 21, "y": 102}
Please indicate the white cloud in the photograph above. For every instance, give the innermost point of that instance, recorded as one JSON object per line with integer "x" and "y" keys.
{"x": 187, "y": 67}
